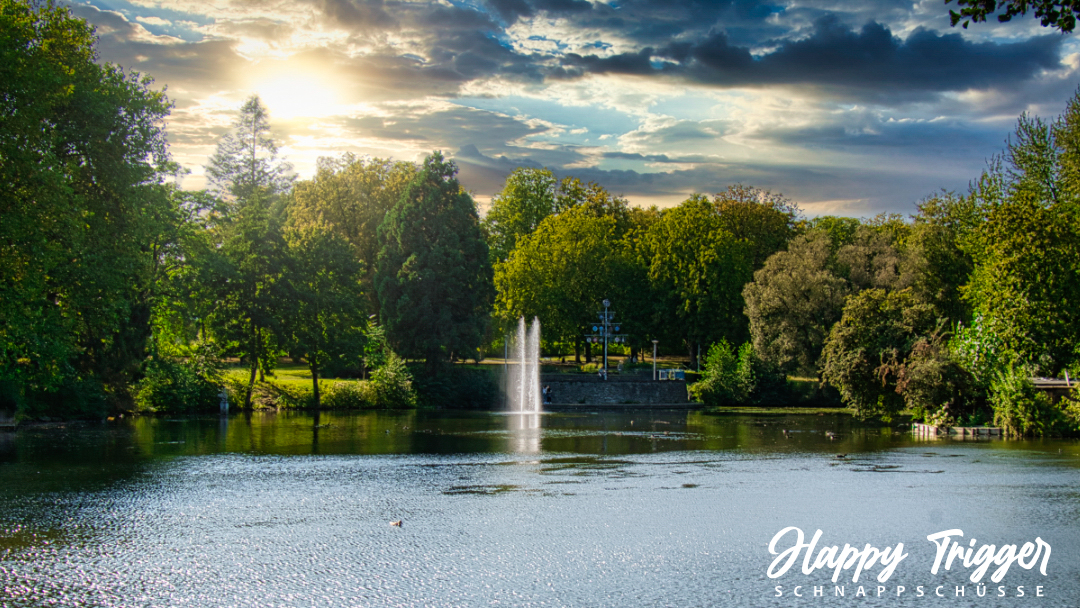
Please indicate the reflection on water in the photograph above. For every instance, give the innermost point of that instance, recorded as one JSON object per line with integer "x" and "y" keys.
{"x": 579, "y": 509}
{"x": 524, "y": 431}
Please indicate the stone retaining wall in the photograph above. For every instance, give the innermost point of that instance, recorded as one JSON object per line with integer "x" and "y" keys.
{"x": 615, "y": 390}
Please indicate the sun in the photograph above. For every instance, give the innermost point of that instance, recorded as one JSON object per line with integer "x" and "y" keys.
{"x": 297, "y": 95}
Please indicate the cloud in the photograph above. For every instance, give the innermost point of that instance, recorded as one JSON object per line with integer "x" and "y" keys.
{"x": 870, "y": 63}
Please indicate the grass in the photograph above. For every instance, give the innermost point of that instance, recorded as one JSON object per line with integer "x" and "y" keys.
{"x": 288, "y": 374}
{"x": 289, "y": 386}
{"x": 807, "y": 411}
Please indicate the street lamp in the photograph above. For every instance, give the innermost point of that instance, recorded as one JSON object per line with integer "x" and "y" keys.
{"x": 607, "y": 318}
{"x": 654, "y": 359}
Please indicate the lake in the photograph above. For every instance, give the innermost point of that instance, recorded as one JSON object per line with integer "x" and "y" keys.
{"x": 558, "y": 509}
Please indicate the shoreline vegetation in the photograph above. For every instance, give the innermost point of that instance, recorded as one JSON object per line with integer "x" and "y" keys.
{"x": 379, "y": 280}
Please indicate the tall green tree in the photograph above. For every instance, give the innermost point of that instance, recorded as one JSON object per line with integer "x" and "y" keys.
{"x": 1026, "y": 248}
{"x": 793, "y": 302}
{"x": 764, "y": 221}
{"x": 324, "y": 316}
{"x": 698, "y": 269}
{"x": 351, "y": 196}
{"x": 82, "y": 156}
{"x": 244, "y": 262}
{"x": 243, "y": 272}
{"x": 246, "y": 159}
{"x": 562, "y": 271}
{"x": 434, "y": 277}
{"x": 527, "y": 197}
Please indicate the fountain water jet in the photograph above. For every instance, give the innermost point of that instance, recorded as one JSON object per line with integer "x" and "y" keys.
{"x": 523, "y": 381}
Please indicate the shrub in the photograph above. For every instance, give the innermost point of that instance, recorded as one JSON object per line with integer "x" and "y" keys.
{"x": 392, "y": 384}
{"x": 729, "y": 375}
{"x": 1019, "y": 408}
{"x": 180, "y": 386}
{"x": 353, "y": 395}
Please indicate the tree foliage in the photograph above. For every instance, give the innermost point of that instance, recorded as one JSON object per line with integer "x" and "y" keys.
{"x": 562, "y": 271}
{"x": 528, "y": 196}
{"x": 697, "y": 269}
{"x": 82, "y": 154}
{"x": 1026, "y": 246}
{"x": 434, "y": 278}
{"x": 350, "y": 196}
{"x": 246, "y": 157}
{"x": 793, "y": 302}
{"x": 1059, "y": 14}
{"x": 877, "y": 330}
{"x": 323, "y": 316}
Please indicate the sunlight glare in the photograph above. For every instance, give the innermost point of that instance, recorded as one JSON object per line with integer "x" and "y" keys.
{"x": 297, "y": 96}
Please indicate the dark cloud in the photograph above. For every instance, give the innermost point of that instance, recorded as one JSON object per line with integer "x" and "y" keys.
{"x": 356, "y": 15}
{"x": 870, "y": 62}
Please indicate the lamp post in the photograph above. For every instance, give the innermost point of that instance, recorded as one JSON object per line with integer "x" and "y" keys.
{"x": 654, "y": 359}
{"x": 607, "y": 318}
{"x": 606, "y": 331}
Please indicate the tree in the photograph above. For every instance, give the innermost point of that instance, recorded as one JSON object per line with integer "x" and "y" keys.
{"x": 1026, "y": 244}
{"x": 82, "y": 157}
{"x": 434, "y": 277}
{"x": 245, "y": 265}
{"x": 562, "y": 271}
{"x": 935, "y": 262}
{"x": 793, "y": 302}
{"x": 1026, "y": 280}
{"x": 324, "y": 320}
{"x": 351, "y": 197}
{"x": 1060, "y": 14}
{"x": 246, "y": 158}
{"x": 528, "y": 196}
{"x": 877, "y": 331}
{"x": 241, "y": 271}
{"x": 763, "y": 220}
{"x": 698, "y": 269}
{"x": 872, "y": 259}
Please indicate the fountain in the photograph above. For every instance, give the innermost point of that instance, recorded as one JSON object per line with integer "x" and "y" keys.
{"x": 523, "y": 377}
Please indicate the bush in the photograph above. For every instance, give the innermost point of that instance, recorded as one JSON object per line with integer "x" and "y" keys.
{"x": 187, "y": 386}
{"x": 729, "y": 375}
{"x": 351, "y": 395}
{"x": 392, "y": 385}
{"x": 1019, "y": 408}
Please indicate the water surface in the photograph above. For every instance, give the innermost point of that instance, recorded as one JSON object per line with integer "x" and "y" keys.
{"x": 590, "y": 509}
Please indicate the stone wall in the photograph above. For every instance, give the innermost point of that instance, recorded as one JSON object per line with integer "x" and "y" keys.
{"x": 616, "y": 390}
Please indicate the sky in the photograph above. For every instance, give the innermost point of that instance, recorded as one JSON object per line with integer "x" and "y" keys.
{"x": 847, "y": 107}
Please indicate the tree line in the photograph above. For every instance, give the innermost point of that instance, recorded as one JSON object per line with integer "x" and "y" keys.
{"x": 120, "y": 288}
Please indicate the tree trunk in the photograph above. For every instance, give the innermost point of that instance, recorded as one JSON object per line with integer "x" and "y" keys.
{"x": 314, "y": 379}
{"x": 251, "y": 383}
{"x": 577, "y": 351}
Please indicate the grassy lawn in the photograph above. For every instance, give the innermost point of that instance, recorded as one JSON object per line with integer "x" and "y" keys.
{"x": 286, "y": 374}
